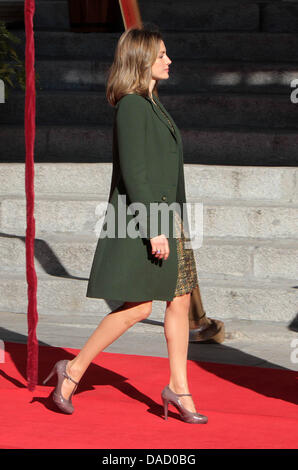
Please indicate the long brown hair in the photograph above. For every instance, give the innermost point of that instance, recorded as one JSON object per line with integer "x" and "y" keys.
{"x": 130, "y": 72}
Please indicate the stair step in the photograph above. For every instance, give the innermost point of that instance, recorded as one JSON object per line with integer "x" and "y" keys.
{"x": 247, "y": 343}
{"x": 242, "y": 46}
{"x": 85, "y": 214}
{"x": 72, "y": 143}
{"x": 258, "y": 147}
{"x": 198, "y": 16}
{"x": 232, "y": 258}
{"x": 248, "y": 300}
{"x": 193, "y": 110}
{"x": 193, "y": 16}
{"x": 202, "y": 182}
{"x": 63, "y": 328}
{"x": 222, "y": 16}
{"x": 202, "y": 76}
{"x": 93, "y": 144}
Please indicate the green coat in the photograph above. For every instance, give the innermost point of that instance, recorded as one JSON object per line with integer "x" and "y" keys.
{"x": 147, "y": 167}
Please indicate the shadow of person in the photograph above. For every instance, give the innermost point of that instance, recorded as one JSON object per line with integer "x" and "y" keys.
{"x": 279, "y": 383}
{"x": 269, "y": 380}
{"x": 95, "y": 375}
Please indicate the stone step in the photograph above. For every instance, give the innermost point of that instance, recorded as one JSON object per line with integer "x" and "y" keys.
{"x": 222, "y": 15}
{"x": 93, "y": 143}
{"x": 198, "y": 16}
{"x": 202, "y": 182}
{"x": 230, "y": 46}
{"x": 236, "y": 146}
{"x": 202, "y": 76}
{"x": 247, "y": 342}
{"x": 193, "y": 16}
{"x": 247, "y": 300}
{"x": 80, "y": 213}
{"x": 217, "y": 258}
{"x": 71, "y": 143}
{"x": 215, "y": 110}
{"x": 171, "y": 16}
{"x": 59, "y": 327}
{"x": 235, "y": 330}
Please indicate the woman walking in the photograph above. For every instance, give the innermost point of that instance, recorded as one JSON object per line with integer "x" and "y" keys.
{"x": 147, "y": 168}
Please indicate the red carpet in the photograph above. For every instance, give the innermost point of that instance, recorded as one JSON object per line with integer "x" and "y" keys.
{"x": 118, "y": 405}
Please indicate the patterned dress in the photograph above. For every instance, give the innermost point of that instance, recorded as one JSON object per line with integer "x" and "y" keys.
{"x": 187, "y": 278}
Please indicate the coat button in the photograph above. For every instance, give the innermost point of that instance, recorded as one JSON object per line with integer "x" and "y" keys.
{"x": 164, "y": 198}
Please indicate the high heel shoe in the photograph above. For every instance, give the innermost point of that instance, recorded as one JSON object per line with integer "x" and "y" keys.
{"x": 168, "y": 396}
{"x": 62, "y": 403}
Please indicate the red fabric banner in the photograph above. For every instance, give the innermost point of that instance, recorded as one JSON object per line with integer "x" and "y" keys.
{"x": 130, "y": 13}
{"x": 32, "y": 315}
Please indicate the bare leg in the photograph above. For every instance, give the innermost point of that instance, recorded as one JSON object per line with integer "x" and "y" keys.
{"x": 110, "y": 328}
{"x": 176, "y": 329}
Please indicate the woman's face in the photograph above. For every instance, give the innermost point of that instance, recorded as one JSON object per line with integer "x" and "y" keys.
{"x": 160, "y": 68}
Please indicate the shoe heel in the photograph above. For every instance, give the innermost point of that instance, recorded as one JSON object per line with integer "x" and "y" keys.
{"x": 186, "y": 415}
{"x": 50, "y": 375}
{"x": 165, "y": 407}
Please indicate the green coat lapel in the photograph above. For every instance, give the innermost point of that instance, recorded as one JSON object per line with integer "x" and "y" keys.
{"x": 161, "y": 116}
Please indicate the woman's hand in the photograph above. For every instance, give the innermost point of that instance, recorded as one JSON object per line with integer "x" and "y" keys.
{"x": 160, "y": 243}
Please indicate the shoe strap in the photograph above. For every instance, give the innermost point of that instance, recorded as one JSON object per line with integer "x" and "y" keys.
{"x": 182, "y": 394}
{"x": 68, "y": 376}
